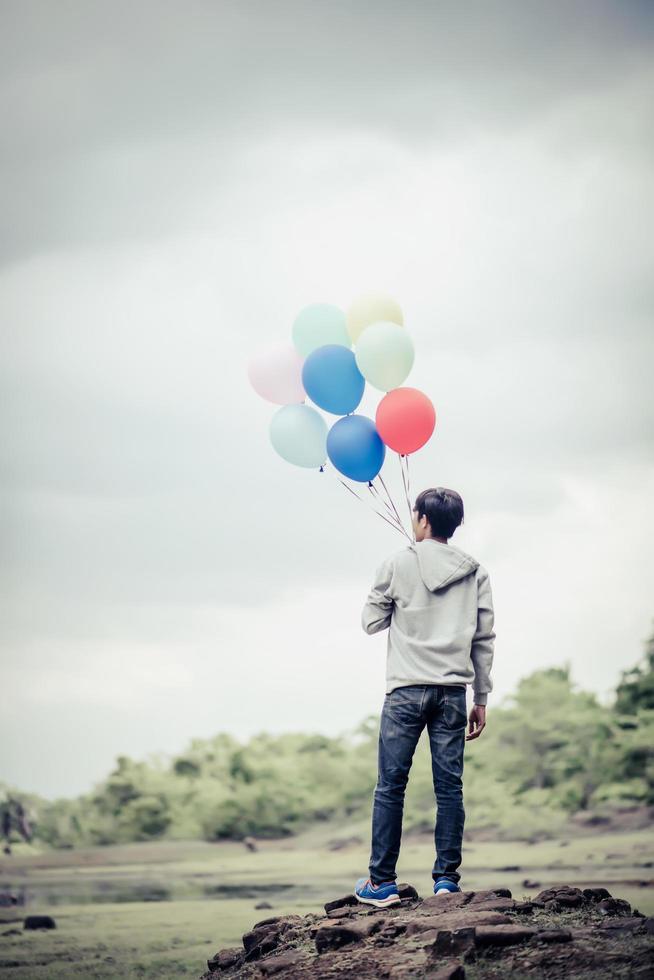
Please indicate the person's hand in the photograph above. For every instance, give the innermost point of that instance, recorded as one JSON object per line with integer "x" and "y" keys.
{"x": 477, "y": 721}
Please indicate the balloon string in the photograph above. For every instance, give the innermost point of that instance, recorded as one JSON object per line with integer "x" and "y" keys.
{"x": 397, "y": 514}
{"x": 396, "y": 522}
{"x": 389, "y": 520}
{"x": 363, "y": 501}
{"x": 373, "y": 489}
{"x": 405, "y": 481}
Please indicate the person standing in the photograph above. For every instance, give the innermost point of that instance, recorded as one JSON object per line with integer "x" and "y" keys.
{"x": 436, "y": 602}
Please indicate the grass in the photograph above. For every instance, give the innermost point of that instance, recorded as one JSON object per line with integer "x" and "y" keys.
{"x": 97, "y": 937}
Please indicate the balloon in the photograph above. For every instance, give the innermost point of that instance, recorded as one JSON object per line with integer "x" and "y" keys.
{"x": 372, "y": 308}
{"x": 332, "y": 379}
{"x": 355, "y": 449}
{"x": 275, "y": 373}
{"x": 299, "y": 433}
{"x": 385, "y": 355}
{"x": 317, "y": 325}
{"x": 405, "y": 419}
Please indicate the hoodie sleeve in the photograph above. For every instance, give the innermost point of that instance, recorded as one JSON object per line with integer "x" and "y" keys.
{"x": 378, "y": 610}
{"x": 483, "y": 642}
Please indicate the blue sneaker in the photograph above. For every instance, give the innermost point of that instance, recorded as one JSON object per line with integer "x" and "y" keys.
{"x": 380, "y": 896}
{"x": 445, "y": 886}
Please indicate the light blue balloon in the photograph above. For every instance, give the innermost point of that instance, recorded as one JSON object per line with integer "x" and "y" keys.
{"x": 320, "y": 324}
{"x": 355, "y": 448}
{"x": 332, "y": 379}
{"x": 299, "y": 433}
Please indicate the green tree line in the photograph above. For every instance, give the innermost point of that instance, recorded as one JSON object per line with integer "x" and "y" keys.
{"x": 549, "y": 751}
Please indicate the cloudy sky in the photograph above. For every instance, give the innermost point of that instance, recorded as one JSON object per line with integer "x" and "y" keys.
{"x": 178, "y": 179}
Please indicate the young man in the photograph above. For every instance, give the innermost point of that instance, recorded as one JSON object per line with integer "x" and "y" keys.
{"x": 437, "y": 601}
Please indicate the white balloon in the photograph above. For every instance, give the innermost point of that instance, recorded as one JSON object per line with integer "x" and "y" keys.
{"x": 275, "y": 373}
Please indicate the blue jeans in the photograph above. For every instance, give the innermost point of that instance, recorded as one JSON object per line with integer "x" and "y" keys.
{"x": 405, "y": 713}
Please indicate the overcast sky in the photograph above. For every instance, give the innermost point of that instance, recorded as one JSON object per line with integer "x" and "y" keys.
{"x": 178, "y": 179}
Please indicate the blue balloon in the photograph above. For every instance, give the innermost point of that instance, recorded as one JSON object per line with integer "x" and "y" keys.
{"x": 355, "y": 448}
{"x": 332, "y": 379}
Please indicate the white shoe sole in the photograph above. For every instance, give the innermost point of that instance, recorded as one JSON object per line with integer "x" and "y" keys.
{"x": 380, "y": 903}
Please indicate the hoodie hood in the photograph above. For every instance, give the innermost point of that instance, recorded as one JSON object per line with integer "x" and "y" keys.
{"x": 441, "y": 564}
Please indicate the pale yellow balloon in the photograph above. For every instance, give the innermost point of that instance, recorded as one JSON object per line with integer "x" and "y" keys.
{"x": 372, "y": 308}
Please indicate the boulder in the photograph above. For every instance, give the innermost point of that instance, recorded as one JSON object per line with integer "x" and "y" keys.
{"x": 503, "y": 935}
{"x": 554, "y": 935}
{"x": 596, "y": 894}
{"x": 444, "y": 902}
{"x": 624, "y": 924}
{"x": 565, "y": 896}
{"x": 226, "y": 958}
{"x": 454, "y": 920}
{"x": 284, "y": 961}
{"x": 614, "y": 906}
{"x": 488, "y": 895}
{"x": 452, "y": 971}
{"x": 39, "y": 922}
{"x": 337, "y": 934}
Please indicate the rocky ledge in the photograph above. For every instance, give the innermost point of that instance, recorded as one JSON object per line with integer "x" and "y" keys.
{"x": 562, "y": 932}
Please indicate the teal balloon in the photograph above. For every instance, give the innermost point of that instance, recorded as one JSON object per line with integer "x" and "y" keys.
{"x": 298, "y": 433}
{"x": 385, "y": 355}
{"x": 320, "y": 324}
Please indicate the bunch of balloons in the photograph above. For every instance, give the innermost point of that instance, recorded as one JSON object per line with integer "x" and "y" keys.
{"x": 331, "y": 357}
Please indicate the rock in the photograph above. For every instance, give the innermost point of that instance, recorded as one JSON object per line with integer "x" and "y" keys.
{"x": 528, "y": 883}
{"x": 494, "y": 905}
{"x": 554, "y": 935}
{"x": 623, "y": 924}
{"x": 284, "y": 961}
{"x": 266, "y": 935}
{"x": 226, "y": 958}
{"x": 263, "y": 905}
{"x": 449, "y": 942}
{"x": 39, "y": 922}
{"x": 432, "y": 937}
{"x": 407, "y": 891}
{"x": 502, "y": 935}
{"x": 455, "y": 920}
{"x": 509, "y": 867}
{"x": 343, "y": 913}
{"x": 11, "y": 932}
{"x": 488, "y": 895}
{"x": 340, "y": 902}
{"x": 614, "y": 906}
{"x": 564, "y": 895}
{"x": 596, "y": 894}
{"x": 338, "y": 934}
{"x": 453, "y": 971}
{"x": 444, "y": 902}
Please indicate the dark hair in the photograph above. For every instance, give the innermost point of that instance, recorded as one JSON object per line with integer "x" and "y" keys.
{"x": 443, "y": 509}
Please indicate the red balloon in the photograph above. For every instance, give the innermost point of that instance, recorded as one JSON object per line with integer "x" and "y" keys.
{"x": 405, "y": 419}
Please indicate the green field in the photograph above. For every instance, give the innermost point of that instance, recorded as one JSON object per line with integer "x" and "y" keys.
{"x": 161, "y": 909}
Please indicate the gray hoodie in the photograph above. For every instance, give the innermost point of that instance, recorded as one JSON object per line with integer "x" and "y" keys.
{"x": 437, "y": 601}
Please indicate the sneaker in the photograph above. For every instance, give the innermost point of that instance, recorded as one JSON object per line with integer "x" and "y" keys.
{"x": 444, "y": 887}
{"x": 381, "y": 895}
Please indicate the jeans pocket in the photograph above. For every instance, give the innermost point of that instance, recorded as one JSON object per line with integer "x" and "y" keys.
{"x": 455, "y": 711}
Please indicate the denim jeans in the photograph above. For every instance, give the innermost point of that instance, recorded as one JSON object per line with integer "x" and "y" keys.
{"x": 406, "y": 711}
